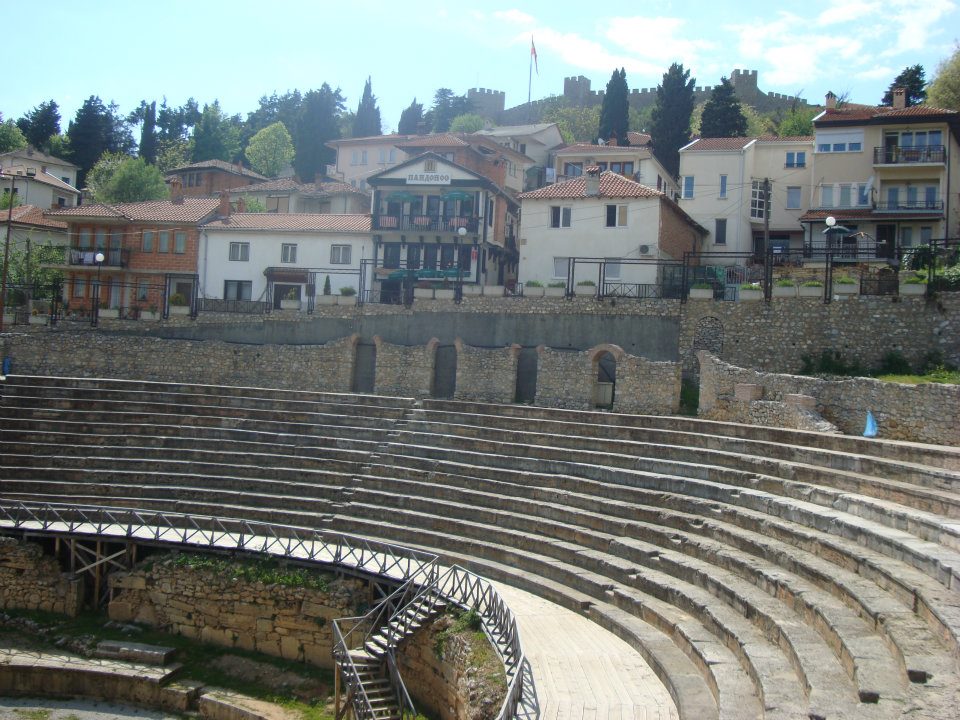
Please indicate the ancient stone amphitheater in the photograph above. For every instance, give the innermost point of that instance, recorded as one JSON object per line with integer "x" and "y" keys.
{"x": 761, "y": 572}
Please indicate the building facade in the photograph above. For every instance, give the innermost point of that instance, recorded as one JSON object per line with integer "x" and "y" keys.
{"x": 210, "y": 177}
{"x": 286, "y": 195}
{"x": 637, "y": 163}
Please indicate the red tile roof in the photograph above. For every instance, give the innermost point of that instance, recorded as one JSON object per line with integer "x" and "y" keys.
{"x": 588, "y": 149}
{"x": 321, "y": 189}
{"x": 375, "y": 139}
{"x": 32, "y": 215}
{"x": 234, "y": 169}
{"x": 865, "y": 214}
{"x": 458, "y": 140}
{"x": 438, "y": 140}
{"x": 612, "y": 185}
{"x": 191, "y": 210}
{"x": 852, "y": 112}
{"x": 639, "y": 139}
{"x": 293, "y": 222}
{"x": 718, "y": 144}
{"x": 43, "y": 178}
{"x": 786, "y": 139}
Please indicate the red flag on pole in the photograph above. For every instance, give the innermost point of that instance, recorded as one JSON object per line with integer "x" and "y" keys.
{"x": 533, "y": 54}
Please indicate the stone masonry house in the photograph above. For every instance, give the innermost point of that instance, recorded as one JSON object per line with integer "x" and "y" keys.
{"x": 607, "y": 217}
{"x": 272, "y": 257}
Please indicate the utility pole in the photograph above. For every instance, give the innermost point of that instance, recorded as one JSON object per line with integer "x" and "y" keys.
{"x": 6, "y": 254}
{"x": 766, "y": 214}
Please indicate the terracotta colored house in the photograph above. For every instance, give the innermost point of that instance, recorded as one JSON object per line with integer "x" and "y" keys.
{"x": 203, "y": 179}
{"x": 149, "y": 254}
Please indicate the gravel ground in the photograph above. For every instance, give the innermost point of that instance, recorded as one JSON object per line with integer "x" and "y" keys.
{"x": 77, "y": 709}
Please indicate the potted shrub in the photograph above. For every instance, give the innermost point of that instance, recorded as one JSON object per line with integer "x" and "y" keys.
{"x": 784, "y": 287}
{"x": 845, "y": 285}
{"x": 290, "y": 301}
{"x": 750, "y": 291}
{"x": 346, "y": 293}
{"x": 107, "y": 312}
{"x": 913, "y": 284}
{"x": 179, "y": 305}
{"x": 557, "y": 288}
{"x": 533, "y": 288}
{"x": 701, "y": 291}
{"x": 585, "y": 287}
{"x": 811, "y": 289}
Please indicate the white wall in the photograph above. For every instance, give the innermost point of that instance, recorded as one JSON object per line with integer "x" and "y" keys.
{"x": 588, "y": 237}
{"x": 313, "y": 251}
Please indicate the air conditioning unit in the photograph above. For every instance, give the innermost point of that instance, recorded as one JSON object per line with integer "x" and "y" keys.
{"x": 644, "y": 250}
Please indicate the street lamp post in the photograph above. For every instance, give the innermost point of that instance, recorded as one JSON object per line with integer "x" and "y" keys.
{"x": 6, "y": 253}
{"x": 95, "y": 315}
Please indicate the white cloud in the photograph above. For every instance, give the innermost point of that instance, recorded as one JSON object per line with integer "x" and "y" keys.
{"x": 515, "y": 17}
{"x": 845, "y": 11}
{"x": 915, "y": 22}
{"x": 657, "y": 38}
{"x": 580, "y": 52}
{"x": 881, "y": 72}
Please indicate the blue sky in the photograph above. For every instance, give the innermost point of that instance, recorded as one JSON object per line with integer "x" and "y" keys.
{"x": 240, "y": 51}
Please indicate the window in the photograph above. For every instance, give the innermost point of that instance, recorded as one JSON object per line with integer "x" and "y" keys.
{"x": 391, "y": 255}
{"x": 79, "y": 287}
{"x": 796, "y": 159}
{"x": 826, "y": 196}
{"x": 623, "y": 168}
{"x": 893, "y": 198}
{"x": 837, "y": 141}
{"x": 101, "y": 239}
{"x": 930, "y": 197}
{"x": 616, "y": 215}
{"x": 339, "y": 254}
{"x": 240, "y": 251}
{"x": 823, "y": 147}
{"x": 237, "y": 289}
{"x": 180, "y": 243}
{"x": 687, "y": 183}
{"x": 926, "y": 235}
{"x": 490, "y": 213}
{"x": 446, "y": 256}
{"x": 147, "y": 244}
{"x": 863, "y": 195}
{"x": 65, "y": 179}
{"x": 465, "y": 256}
{"x": 429, "y": 165}
{"x": 573, "y": 169}
{"x": 758, "y": 203}
{"x": 839, "y": 147}
{"x": 61, "y": 201}
{"x": 845, "y": 200}
{"x": 358, "y": 157}
{"x": 288, "y": 253}
{"x": 611, "y": 268}
{"x": 413, "y": 257}
{"x": 429, "y": 257}
{"x": 723, "y": 187}
{"x": 163, "y": 244}
{"x": 906, "y": 237}
{"x": 560, "y": 267}
{"x": 143, "y": 290}
{"x": 720, "y": 231}
{"x": 278, "y": 204}
{"x": 793, "y": 197}
{"x": 83, "y": 241}
{"x": 560, "y": 216}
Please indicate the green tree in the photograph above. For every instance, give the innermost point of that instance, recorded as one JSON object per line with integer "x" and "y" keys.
{"x": 446, "y": 106}
{"x": 317, "y": 125}
{"x": 28, "y": 261}
{"x": 172, "y": 154}
{"x": 128, "y": 180}
{"x": 40, "y": 124}
{"x": 722, "y": 116}
{"x": 670, "y": 120}
{"x": 944, "y": 90}
{"x": 797, "y": 123}
{"x": 177, "y": 123}
{"x": 11, "y": 138}
{"x": 467, "y": 123}
{"x": 252, "y": 204}
{"x": 216, "y": 136}
{"x": 96, "y": 128}
{"x": 270, "y": 150}
{"x": 615, "y": 111}
{"x": 146, "y": 116}
{"x": 913, "y": 81}
{"x": 274, "y": 108}
{"x": 576, "y": 124}
{"x": 101, "y": 173}
{"x": 6, "y": 198}
{"x": 411, "y": 119}
{"x": 367, "y": 120}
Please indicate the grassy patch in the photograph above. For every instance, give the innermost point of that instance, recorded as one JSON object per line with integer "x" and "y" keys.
{"x": 267, "y": 571}
{"x": 950, "y": 377}
{"x": 31, "y": 714}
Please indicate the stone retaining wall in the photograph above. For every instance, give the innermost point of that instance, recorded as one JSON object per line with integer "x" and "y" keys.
{"x": 30, "y": 580}
{"x": 289, "y": 622}
{"x": 928, "y": 413}
{"x": 404, "y": 370}
{"x": 486, "y": 374}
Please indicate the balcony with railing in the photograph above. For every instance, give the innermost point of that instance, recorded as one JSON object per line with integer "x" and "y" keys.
{"x": 896, "y": 155}
{"x": 116, "y": 257}
{"x": 846, "y": 248}
{"x": 929, "y": 205}
{"x": 426, "y": 223}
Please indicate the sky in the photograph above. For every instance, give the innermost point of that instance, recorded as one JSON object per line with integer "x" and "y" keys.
{"x": 126, "y": 51}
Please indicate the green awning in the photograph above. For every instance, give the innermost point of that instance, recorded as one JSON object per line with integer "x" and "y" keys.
{"x": 402, "y": 196}
{"x": 457, "y": 195}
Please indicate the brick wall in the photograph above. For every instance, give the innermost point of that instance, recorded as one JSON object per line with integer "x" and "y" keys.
{"x": 486, "y": 374}
{"x": 677, "y": 236}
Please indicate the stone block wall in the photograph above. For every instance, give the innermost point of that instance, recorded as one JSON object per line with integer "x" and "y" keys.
{"x": 30, "y": 580}
{"x": 565, "y": 379}
{"x": 486, "y": 374}
{"x": 289, "y": 622}
{"x": 647, "y": 388}
{"x": 404, "y": 370}
{"x": 927, "y": 413}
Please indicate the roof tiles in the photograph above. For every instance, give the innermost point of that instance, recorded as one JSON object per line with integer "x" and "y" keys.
{"x": 293, "y": 222}
{"x": 612, "y": 185}
{"x": 191, "y": 210}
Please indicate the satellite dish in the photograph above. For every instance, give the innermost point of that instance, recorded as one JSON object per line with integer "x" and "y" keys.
{"x": 601, "y": 141}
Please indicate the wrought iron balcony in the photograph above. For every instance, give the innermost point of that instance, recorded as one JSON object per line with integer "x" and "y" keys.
{"x": 425, "y": 223}
{"x": 910, "y": 205}
{"x": 117, "y": 257}
{"x": 894, "y": 155}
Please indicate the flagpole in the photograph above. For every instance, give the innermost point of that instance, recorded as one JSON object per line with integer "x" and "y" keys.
{"x": 530, "y": 75}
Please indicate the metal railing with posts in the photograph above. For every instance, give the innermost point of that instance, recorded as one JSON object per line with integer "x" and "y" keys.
{"x": 244, "y": 307}
{"x": 425, "y": 223}
{"x": 896, "y": 155}
{"x": 909, "y": 205}
{"x": 114, "y": 257}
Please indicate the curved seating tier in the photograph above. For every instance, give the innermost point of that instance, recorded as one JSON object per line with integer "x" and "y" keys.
{"x": 762, "y": 572}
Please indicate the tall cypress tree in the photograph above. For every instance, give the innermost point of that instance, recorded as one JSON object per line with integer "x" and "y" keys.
{"x": 148, "y": 134}
{"x": 670, "y": 125}
{"x": 318, "y": 124}
{"x": 615, "y": 112}
{"x": 722, "y": 116}
{"x": 410, "y": 119}
{"x": 367, "y": 120}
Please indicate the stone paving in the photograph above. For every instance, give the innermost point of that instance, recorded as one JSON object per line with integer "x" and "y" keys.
{"x": 580, "y": 669}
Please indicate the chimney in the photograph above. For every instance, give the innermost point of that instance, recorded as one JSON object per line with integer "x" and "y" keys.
{"x": 899, "y": 98}
{"x": 176, "y": 190}
{"x": 241, "y": 206}
{"x": 612, "y": 142}
{"x": 831, "y": 101}
{"x": 591, "y": 179}
{"x": 224, "y": 209}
